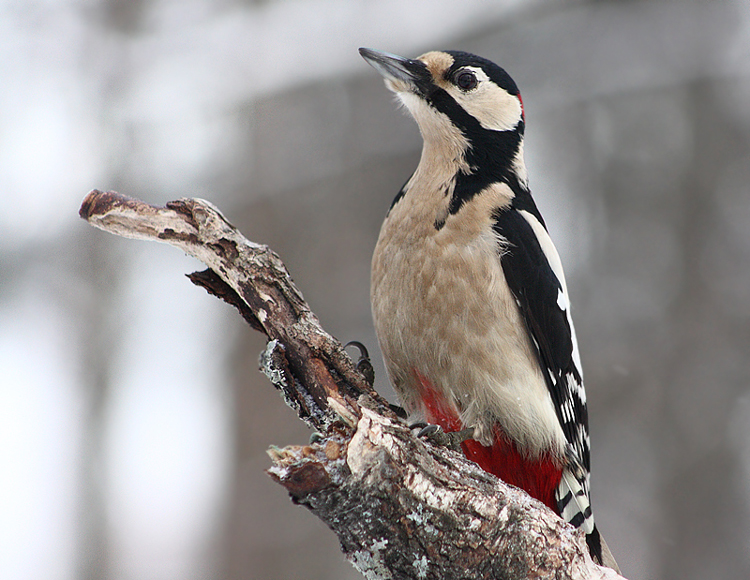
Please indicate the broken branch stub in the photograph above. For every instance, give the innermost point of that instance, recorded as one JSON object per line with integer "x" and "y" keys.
{"x": 252, "y": 278}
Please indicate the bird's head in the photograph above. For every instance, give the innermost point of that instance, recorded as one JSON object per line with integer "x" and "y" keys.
{"x": 473, "y": 92}
{"x": 468, "y": 109}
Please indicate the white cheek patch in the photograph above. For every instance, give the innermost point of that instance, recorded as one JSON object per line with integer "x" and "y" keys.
{"x": 495, "y": 108}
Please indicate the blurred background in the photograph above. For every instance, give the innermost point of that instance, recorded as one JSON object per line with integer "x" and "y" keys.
{"x": 133, "y": 419}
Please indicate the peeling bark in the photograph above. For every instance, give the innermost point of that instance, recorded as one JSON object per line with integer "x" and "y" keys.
{"x": 400, "y": 507}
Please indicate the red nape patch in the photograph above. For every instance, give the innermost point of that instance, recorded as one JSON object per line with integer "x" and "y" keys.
{"x": 538, "y": 477}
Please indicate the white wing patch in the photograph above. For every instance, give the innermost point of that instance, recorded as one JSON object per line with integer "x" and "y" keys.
{"x": 563, "y": 301}
{"x": 547, "y": 247}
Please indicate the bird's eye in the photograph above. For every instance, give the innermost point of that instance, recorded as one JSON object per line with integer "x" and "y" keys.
{"x": 466, "y": 80}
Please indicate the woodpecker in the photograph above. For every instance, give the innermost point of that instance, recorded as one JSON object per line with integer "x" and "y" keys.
{"x": 468, "y": 294}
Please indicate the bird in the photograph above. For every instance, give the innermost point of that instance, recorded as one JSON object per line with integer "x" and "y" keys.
{"x": 468, "y": 295}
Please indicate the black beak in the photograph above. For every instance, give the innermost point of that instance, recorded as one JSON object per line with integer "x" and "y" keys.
{"x": 397, "y": 68}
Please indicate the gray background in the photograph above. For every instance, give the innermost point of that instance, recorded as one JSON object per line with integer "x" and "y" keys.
{"x": 133, "y": 421}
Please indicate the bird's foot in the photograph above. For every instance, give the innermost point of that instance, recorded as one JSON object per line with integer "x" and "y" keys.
{"x": 363, "y": 364}
{"x": 435, "y": 434}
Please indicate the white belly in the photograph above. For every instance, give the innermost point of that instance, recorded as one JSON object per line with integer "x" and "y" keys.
{"x": 442, "y": 309}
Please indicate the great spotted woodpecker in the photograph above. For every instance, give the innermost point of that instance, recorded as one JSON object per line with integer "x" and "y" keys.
{"x": 468, "y": 293}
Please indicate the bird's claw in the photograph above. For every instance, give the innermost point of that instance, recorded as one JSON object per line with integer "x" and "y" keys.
{"x": 363, "y": 364}
{"x": 436, "y": 434}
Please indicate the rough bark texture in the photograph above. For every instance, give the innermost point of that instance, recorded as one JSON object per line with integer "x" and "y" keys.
{"x": 400, "y": 507}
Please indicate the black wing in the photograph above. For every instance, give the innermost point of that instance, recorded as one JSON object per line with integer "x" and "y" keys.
{"x": 543, "y": 305}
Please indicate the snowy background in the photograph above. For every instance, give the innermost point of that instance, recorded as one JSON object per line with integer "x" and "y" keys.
{"x": 133, "y": 421}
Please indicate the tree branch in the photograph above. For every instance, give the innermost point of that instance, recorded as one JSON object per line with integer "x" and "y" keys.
{"x": 400, "y": 507}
